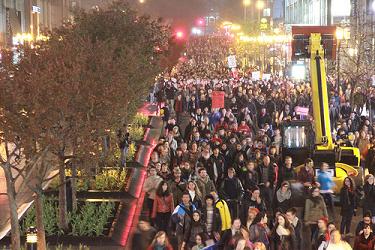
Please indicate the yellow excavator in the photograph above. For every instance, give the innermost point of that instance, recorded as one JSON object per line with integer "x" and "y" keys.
{"x": 303, "y": 139}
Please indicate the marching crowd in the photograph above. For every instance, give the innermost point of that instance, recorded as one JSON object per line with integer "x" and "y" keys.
{"x": 221, "y": 182}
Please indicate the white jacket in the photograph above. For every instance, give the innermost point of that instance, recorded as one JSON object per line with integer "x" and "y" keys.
{"x": 343, "y": 245}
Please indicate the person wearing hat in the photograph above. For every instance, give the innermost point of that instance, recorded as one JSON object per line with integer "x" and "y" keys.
{"x": 251, "y": 214}
{"x": 321, "y": 234}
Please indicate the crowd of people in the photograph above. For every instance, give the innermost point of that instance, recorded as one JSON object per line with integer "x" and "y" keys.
{"x": 221, "y": 181}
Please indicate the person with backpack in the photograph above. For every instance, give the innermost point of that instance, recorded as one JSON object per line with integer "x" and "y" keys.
{"x": 182, "y": 217}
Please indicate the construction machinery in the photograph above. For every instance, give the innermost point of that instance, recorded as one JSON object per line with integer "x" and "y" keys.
{"x": 304, "y": 139}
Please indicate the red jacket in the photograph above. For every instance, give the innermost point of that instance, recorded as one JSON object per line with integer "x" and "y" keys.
{"x": 364, "y": 244}
{"x": 163, "y": 204}
{"x": 244, "y": 129}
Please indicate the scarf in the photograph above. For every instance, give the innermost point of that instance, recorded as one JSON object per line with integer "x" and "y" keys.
{"x": 283, "y": 196}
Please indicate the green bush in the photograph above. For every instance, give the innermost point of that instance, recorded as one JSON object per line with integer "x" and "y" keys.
{"x": 110, "y": 180}
{"x": 91, "y": 219}
{"x": 136, "y": 133}
{"x": 50, "y": 212}
{"x": 140, "y": 119}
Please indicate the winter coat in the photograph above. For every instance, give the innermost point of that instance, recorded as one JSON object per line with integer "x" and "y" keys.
{"x": 260, "y": 233}
{"x": 216, "y": 220}
{"x": 206, "y": 186}
{"x": 226, "y": 220}
{"x": 177, "y": 189}
{"x": 283, "y": 242}
{"x": 315, "y": 209}
{"x": 369, "y": 198}
{"x": 347, "y": 202}
{"x": 361, "y": 243}
{"x": 232, "y": 189}
{"x": 163, "y": 204}
{"x": 195, "y": 228}
{"x": 343, "y": 245}
{"x": 166, "y": 247}
{"x": 182, "y": 218}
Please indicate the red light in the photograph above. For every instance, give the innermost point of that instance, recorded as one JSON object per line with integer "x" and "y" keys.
{"x": 179, "y": 34}
{"x": 200, "y": 21}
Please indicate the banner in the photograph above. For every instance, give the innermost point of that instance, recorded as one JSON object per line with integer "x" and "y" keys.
{"x": 255, "y": 75}
{"x": 232, "y": 63}
{"x": 266, "y": 77}
{"x": 217, "y": 99}
{"x": 301, "y": 110}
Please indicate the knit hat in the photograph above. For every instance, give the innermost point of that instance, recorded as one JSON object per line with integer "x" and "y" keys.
{"x": 324, "y": 219}
{"x": 254, "y": 210}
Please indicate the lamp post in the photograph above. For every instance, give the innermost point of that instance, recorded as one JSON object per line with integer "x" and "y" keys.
{"x": 246, "y": 3}
{"x": 260, "y": 5}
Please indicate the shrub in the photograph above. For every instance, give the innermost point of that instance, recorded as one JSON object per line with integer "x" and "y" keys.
{"x": 110, "y": 180}
{"x": 50, "y": 212}
{"x": 136, "y": 133}
{"x": 140, "y": 119}
{"x": 91, "y": 219}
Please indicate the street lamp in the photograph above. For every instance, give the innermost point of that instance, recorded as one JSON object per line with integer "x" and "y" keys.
{"x": 246, "y": 3}
{"x": 260, "y": 5}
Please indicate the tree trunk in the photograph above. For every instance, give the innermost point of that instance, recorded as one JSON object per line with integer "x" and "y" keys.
{"x": 11, "y": 191}
{"x": 39, "y": 221}
{"x": 74, "y": 185}
{"x": 63, "y": 224}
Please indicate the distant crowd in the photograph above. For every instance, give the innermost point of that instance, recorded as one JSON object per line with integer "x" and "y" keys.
{"x": 219, "y": 181}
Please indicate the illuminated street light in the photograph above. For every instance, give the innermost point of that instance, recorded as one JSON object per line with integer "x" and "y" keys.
{"x": 141, "y": 1}
{"x": 246, "y": 3}
{"x": 260, "y": 4}
{"x": 179, "y": 35}
{"x": 373, "y": 5}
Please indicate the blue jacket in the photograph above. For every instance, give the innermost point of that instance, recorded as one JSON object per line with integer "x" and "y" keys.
{"x": 325, "y": 181}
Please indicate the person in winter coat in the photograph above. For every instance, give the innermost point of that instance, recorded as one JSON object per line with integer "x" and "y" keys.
{"x": 144, "y": 235}
{"x": 211, "y": 218}
{"x": 177, "y": 185}
{"x": 335, "y": 243}
{"x": 182, "y": 217}
{"x": 267, "y": 180}
{"x": 366, "y": 240}
{"x": 321, "y": 234}
{"x": 286, "y": 172}
{"x": 291, "y": 214}
{"x": 315, "y": 208}
{"x": 369, "y": 197}
{"x": 326, "y": 185}
{"x": 227, "y": 241}
{"x": 259, "y": 231}
{"x": 226, "y": 219}
{"x": 195, "y": 194}
{"x": 252, "y": 199}
{"x": 150, "y": 186}
{"x": 218, "y": 167}
{"x": 348, "y": 205}
{"x": 232, "y": 191}
{"x": 249, "y": 178}
{"x": 251, "y": 214}
{"x": 204, "y": 183}
{"x": 163, "y": 206}
{"x": 283, "y": 197}
{"x": 306, "y": 174}
{"x": 160, "y": 242}
{"x": 283, "y": 237}
{"x": 195, "y": 228}
{"x": 199, "y": 245}
{"x": 366, "y": 220}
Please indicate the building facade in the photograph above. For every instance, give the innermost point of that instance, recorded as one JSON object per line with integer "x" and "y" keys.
{"x": 310, "y": 12}
{"x": 30, "y": 17}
